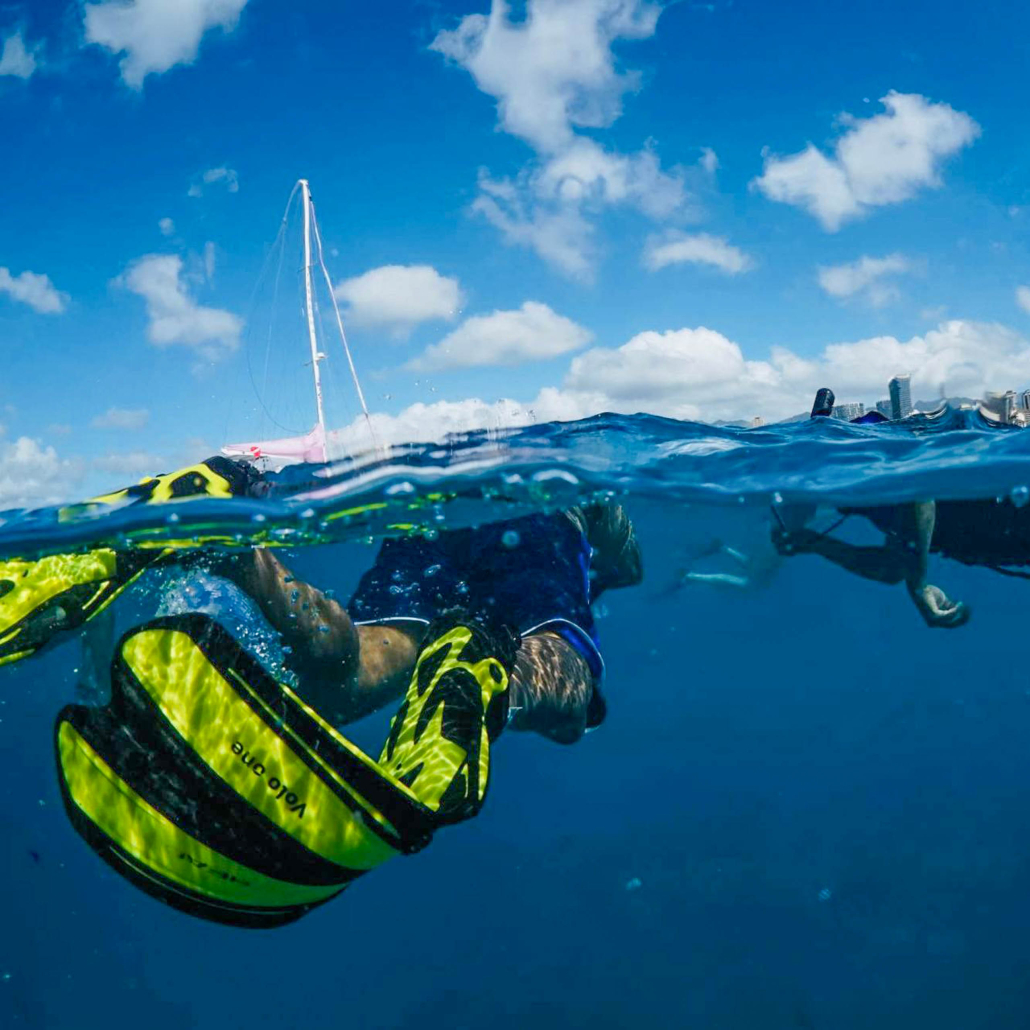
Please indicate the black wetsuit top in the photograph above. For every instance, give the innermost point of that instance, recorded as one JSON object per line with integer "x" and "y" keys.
{"x": 986, "y": 532}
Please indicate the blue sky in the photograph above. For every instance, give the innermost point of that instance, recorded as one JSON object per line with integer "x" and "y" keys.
{"x": 702, "y": 210}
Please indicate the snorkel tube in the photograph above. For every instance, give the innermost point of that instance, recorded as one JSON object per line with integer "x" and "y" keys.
{"x": 823, "y": 406}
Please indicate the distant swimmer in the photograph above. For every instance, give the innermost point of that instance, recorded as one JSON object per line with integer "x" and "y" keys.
{"x": 911, "y": 533}
{"x": 992, "y": 533}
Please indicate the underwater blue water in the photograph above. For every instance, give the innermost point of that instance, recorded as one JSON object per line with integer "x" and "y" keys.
{"x": 805, "y": 810}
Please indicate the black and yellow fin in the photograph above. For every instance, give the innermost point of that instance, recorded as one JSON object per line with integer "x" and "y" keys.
{"x": 456, "y": 705}
{"x": 217, "y": 790}
{"x": 39, "y": 598}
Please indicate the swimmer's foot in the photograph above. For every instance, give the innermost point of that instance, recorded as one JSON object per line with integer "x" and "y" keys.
{"x": 937, "y": 609}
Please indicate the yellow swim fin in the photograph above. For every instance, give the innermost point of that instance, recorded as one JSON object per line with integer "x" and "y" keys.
{"x": 217, "y": 790}
{"x": 456, "y": 705}
{"x": 42, "y": 597}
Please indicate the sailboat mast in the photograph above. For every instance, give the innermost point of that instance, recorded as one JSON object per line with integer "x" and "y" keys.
{"x": 305, "y": 190}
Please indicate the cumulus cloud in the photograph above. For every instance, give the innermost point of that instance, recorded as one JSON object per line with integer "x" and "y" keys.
{"x": 700, "y": 373}
{"x": 434, "y": 422}
{"x": 228, "y": 177}
{"x": 32, "y": 475}
{"x": 175, "y": 317}
{"x": 167, "y": 227}
{"x": 121, "y": 418}
{"x": 553, "y": 74}
{"x": 155, "y": 35}
{"x": 1023, "y": 298}
{"x": 33, "y": 289}
{"x": 399, "y": 297}
{"x": 865, "y": 277}
{"x": 697, "y": 249}
{"x": 16, "y": 59}
{"x": 881, "y": 160}
{"x": 532, "y": 332}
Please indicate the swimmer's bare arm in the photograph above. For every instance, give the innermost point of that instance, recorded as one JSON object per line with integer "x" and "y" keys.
{"x": 936, "y": 608}
{"x": 886, "y": 564}
{"x": 348, "y": 671}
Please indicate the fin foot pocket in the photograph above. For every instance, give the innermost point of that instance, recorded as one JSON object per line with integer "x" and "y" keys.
{"x": 455, "y": 706}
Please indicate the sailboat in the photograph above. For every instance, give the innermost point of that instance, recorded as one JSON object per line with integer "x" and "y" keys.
{"x": 312, "y": 446}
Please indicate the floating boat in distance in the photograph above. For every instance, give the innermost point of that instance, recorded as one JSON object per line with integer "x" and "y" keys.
{"x": 313, "y": 445}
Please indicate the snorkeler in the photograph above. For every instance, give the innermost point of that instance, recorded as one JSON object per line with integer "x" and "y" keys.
{"x": 991, "y": 533}
{"x": 222, "y": 788}
{"x": 539, "y": 574}
{"x": 911, "y": 533}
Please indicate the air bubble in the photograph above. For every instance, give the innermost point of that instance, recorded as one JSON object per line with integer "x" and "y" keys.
{"x": 511, "y": 539}
{"x": 174, "y": 517}
{"x": 777, "y": 498}
{"x": 825, "y": 894}
{"x": 432, "y": 570}
{"x": 1019, "y": 496}
{"x": 634, "y": 883}
{"x": 258, "y": 518}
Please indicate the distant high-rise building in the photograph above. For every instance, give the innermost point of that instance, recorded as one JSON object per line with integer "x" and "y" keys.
{"x": 1000, "y": 406}
{"x": 1024, "y": 399}
{"x": 846, "y": 412}
{"x": 900, "y": 388}
{"x": 884, "y": 408}
{"x": 1009, "y": 400}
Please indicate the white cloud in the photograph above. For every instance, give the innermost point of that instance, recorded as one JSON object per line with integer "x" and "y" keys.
{"x": 709, "y": 160}
{"x": 532, "y": 332}
{"x": 175, "y": 317}
{"x": 865, "y": 276}
{"x": 434, "y": 422}
{"x": 560, "y": 234}
{"x": 553, "y": 74}
{"x": 167, "y": 227}
{"x": 35, "y": 290}
{"x": 399, "y": 297}
{"x": 699, "y": 249}
{"x": 884, "y": 159}
{"x": 121, "y": 418}
{"x": 1023, "y": 298}
{"x": 32, "y": 475}
{"x": 16, "y": 59}
{"x": 699, "y": 373}
{"x": 227, "y": 176}
{"x": 155, "y": 35}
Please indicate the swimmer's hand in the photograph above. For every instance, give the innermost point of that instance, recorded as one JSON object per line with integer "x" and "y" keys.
{"x": 937, "y": 609}
{"x": 798, "y": 541}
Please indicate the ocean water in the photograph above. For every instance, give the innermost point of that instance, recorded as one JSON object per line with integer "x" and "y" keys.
{"x": 806, "y": 808}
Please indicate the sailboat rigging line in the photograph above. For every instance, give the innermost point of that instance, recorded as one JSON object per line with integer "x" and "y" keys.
{"x": 309, "y": 211}
{"x": 281, "y": 240}
{"x": 339, "y": 325}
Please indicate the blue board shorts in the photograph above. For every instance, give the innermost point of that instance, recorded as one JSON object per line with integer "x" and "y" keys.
{"x": 532, "y": 573}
